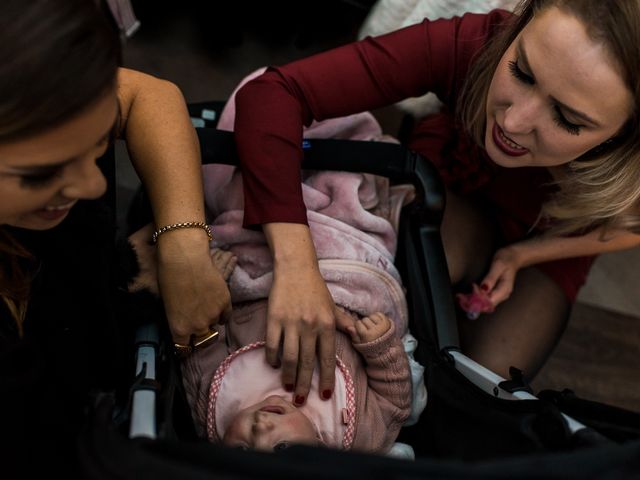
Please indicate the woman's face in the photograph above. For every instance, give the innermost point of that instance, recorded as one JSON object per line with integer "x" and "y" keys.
{"x": 43, "y": 176}
{"x": 555, "y": 95}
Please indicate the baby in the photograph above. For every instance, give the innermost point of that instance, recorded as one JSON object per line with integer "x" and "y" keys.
{"x": 243, "y": 404}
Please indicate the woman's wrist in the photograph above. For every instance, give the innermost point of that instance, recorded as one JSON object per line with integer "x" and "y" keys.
{"x": 183, "y": 241}
{"x": 181, "y": 226}
{"x": 291, "y": 246}
{"x": 518, "y": 254}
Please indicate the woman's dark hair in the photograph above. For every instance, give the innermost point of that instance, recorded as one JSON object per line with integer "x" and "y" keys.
{"x": 57, "y": 57}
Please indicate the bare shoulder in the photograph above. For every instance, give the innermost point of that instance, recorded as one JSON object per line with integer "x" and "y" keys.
{"x": 131, "y": 83}
{"x": 134, "y": 85}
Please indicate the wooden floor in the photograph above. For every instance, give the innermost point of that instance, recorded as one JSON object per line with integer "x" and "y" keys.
{"x": 598, "y": 358}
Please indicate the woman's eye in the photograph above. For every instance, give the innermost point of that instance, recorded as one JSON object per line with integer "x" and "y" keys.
{"x": 558, "y": 117}
{"x": 561, "y": 121}
{"x": 281, "y": 446}
{"x": 39, "y": 180}
{"x": 519, "y": 74}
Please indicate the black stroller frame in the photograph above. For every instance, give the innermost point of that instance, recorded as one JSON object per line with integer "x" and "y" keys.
{"x": 457, "y": 435}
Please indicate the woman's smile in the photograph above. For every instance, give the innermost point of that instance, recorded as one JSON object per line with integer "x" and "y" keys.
{"x": 505, "y": 144}
{"x": 55, "y": 212}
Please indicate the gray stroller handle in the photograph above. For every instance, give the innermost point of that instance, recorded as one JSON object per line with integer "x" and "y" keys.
{"x": 143, "y": 401}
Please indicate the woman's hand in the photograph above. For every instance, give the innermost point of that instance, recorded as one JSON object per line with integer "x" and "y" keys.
{"x": 500, "y": 280}
{"x": 301, "y": 318}
{"x": 195, "y": 292}
{"x": 301, "y": 314}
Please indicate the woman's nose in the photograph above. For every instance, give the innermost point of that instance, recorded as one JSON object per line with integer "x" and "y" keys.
{"x": 85, "y": 180}
{"x": 521, "y": 116}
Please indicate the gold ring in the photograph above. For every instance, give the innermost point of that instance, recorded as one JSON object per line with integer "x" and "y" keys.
{"x": 181, "y": 350}
{"x": 196, "y": 343}
{"x": 205, "y": 340}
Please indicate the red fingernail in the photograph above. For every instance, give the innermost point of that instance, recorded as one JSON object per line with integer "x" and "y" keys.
{"x": 326, "y": 394}
{"x": 299, "y": 400}
{"x": 289, "y": 387}
{"x": 484, "y": 287}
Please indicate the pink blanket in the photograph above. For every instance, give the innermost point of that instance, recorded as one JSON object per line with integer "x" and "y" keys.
{"x": 353, "y": 220}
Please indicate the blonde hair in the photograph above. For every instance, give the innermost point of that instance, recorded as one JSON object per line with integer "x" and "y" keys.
{"x": 602, "y": 187}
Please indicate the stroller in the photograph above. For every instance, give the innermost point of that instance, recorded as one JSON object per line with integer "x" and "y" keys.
{"x": 476, "y": 424}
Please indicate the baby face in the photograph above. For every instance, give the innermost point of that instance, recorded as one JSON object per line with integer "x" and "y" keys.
{"x": 271, "y": 425}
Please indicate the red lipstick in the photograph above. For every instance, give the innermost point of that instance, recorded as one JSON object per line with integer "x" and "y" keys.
{"x": 505, "y": 144}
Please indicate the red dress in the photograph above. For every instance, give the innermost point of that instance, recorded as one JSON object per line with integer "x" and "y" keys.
{"x": 431, "y": 56}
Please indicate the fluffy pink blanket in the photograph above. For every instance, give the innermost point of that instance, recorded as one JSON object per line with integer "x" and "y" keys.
{"x": 353, "y": 220}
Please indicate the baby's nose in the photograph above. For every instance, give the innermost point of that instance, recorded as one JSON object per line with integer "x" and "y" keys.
{"x": 262, "y": 423}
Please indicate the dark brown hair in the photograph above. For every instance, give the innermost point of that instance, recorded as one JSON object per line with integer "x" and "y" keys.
{"x": 57, "y": 57}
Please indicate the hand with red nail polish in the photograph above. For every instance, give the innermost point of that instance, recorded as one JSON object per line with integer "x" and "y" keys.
{"x": 497, "y": 285}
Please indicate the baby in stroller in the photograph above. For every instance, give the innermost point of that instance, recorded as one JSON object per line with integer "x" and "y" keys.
{"x": 275, "y": 422}
{"x": 245, "y": 405}
{"x": 237, "y": 398}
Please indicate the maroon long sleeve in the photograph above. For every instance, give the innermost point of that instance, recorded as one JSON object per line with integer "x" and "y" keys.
{"x": 272, "y": 109}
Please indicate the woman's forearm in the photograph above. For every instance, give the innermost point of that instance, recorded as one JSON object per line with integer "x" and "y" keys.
{"x": 544, "y": 249}
{"x": 291, "y": 246}
{"x": 163, "y": 146}
{"x": 165, "y": 152}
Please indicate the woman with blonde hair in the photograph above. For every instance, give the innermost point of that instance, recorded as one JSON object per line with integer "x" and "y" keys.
{"x": 537, "y": 143}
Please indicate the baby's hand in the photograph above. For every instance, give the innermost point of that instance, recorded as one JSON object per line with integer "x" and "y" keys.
{"x": 371, "y": 328}
{"x": 363, "y": 331}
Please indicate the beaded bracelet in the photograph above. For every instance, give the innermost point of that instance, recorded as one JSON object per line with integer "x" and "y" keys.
{"x": 175, "y": 226}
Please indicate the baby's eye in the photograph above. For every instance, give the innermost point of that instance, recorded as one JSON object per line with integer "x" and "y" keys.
{"x": 281, "y": 446}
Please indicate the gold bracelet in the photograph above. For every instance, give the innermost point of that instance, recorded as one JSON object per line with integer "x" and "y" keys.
{"x": 175, "y": 226}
